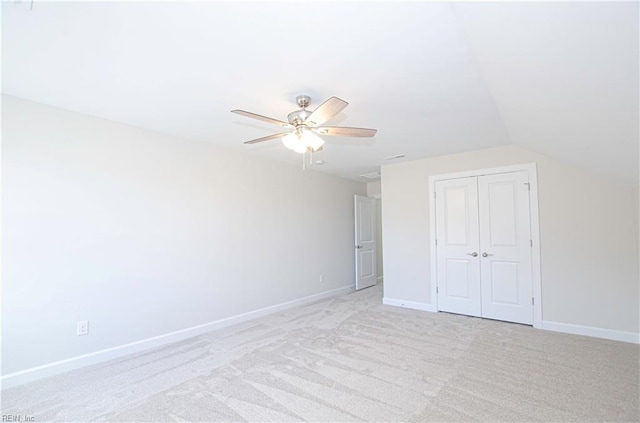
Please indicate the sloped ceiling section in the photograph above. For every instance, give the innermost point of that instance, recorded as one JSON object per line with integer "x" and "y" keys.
{"x": 564, "y": 77}
{"x": 434, "y": 78}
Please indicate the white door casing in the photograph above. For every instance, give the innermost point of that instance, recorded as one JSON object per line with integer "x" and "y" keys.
{"x": 365, "y": 241}
{"x": 457, "y": 255}
{"x": 505, "y": 244}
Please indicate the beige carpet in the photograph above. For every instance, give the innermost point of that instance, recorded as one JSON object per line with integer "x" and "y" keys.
{"x": 350, "y": 358}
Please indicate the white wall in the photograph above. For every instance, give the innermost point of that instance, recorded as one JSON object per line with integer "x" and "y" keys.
{"x": 589, "y": 253}
{"x": 374, "y": 189}
{"x": 144, "y": 234}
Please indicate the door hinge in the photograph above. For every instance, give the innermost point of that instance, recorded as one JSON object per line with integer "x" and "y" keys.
{"x": 531, "y": 242}
{"x": 436, "y": 289}
{"x": 533, "y": 301}
{"x": 436, "y": 242}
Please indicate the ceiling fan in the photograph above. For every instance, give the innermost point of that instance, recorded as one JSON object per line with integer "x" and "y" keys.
{"x": 303, "y": 125}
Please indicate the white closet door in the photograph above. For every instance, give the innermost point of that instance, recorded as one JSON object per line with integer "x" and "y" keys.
{"x": 505, "y": 249}
{"x": 457, "y": 256}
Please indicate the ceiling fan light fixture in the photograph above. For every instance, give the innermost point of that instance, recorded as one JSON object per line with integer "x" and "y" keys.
{"x": 303, "y": 141}
{"x": 293, "y": 142}
{"x": 312, "y": 141}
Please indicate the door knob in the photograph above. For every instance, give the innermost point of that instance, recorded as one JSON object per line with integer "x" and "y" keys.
{"x": 358, "y": 246}
{"x": 474, "y": 254}
{"x": 486, "y": 255}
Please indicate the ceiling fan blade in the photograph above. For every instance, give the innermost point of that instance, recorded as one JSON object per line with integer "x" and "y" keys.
{"x": 326, "y": 111}
{"x": 345, "y": 131}
{"x": 267, "y": 138}
{"x": 262, "y": 118}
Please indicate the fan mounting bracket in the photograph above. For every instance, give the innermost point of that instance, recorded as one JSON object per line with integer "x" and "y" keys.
{"x": 303, "y": 101}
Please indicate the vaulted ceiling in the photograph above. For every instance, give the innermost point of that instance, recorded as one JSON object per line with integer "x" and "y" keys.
{"x": 434, "y": 78}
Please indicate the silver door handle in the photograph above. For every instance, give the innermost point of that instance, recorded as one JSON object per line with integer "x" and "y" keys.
{"x": 474, "y": 254}
{"x": 486, "y": 255}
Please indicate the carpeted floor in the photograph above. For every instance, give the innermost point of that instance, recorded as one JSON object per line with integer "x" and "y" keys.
{"x": 350, "y": 358}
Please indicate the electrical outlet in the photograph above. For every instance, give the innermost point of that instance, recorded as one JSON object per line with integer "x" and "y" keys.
{"x": 83, "y": 327}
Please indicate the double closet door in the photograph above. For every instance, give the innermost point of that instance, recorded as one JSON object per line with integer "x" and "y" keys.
{"x": 483, "y": 247}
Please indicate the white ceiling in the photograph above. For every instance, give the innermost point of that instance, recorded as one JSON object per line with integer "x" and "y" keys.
{"x": 433, "y": 77}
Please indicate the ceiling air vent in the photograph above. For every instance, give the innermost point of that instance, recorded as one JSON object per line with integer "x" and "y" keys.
{"x": 371, "y": 175}
{"x": 397, "y": 156}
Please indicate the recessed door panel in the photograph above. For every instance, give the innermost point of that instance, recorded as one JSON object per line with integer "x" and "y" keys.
{"x": 504, "y": 286}
{"x": 366, "y": 264}
{"x": 456, "y": 214}
{"x": 502, "y": 214}
{"x": 458, "y": 277}
{"x": 365, "y": 223}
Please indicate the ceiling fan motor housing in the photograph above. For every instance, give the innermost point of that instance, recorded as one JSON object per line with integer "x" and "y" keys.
{"x": 298, "y": 117}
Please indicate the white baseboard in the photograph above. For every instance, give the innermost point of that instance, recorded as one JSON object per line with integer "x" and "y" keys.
{"x": 57, "y": 367}
{"x": 615, "y": 335}
{"x": 409, "y": 304}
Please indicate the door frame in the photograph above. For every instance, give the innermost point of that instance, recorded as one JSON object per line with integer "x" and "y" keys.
{"x": 535, "y": 229}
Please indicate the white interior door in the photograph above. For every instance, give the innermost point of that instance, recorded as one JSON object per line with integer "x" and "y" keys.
{"x": 457, "y": 256}
{"x": 365, "y": 241}
{"x": 505, "y": 247}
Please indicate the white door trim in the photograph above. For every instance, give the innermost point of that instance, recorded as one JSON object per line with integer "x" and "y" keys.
{"x": 535, "y": 229}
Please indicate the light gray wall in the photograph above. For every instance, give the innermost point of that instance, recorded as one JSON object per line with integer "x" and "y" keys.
{"x": 589, "y": 253}
{"x": 144, "y": 234}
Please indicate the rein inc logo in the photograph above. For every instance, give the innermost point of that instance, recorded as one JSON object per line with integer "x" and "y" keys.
{"x": 17, "y": 418}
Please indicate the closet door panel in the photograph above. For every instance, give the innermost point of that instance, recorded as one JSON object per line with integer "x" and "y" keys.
{"x": 505, "y": 249}
{"x": 457, "y": 256}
